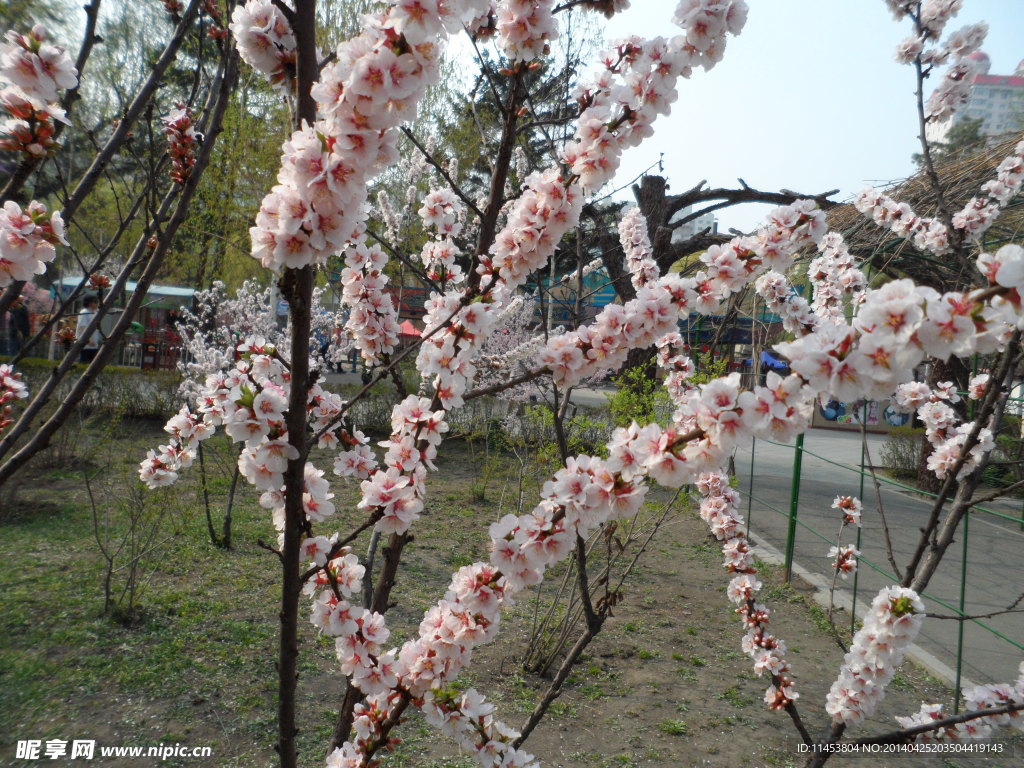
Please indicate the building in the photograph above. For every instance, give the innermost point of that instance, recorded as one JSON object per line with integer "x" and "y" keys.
{"x": 997, "y": 100}
{"x": 691, "y": 228}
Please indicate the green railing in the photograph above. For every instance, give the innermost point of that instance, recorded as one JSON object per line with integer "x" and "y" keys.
{"x": 791, "y": 517}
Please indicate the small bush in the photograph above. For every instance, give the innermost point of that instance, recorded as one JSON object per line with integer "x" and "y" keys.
{"x": 901, "y": 451}
{"x": 640, "y": 396}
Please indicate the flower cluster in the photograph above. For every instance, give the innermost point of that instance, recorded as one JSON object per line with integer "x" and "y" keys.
{"x": 312, "y": 212}
{"x": 980, "y": 212}
{"x": 851, "y": 507}
{"x": 394, "y": 494}
{"x": 32, "y": 72}
{"x": 844, "y": 559}
{"x": 782, "y": 299}
{"x": 373, "y": 86}
{"x": 638, "y": 83}
{"x": 1005, "y": 268}
{"x": 525, "y": 28}
{"x": 734, "y": 264}
{"x": 469, "y": 719}
{"x": 948, "y": 441}
{"x": 954, "y": 90}
{"x": 373, "y": 318}
{"x": 931, "y": 17}
{"x": 446, "y": 358}
{"x": 718, "y": 509}
{"x": 160, "y": 467}
{"x": 575, "y": 501}
{"x": 976, "y": 699}
{"x": 679, "y": 369}
{"x": 423, "y": 668}
{"x": 182, "y": 141}
{"x": 357, "y": 459}
{"x": 942, "y": 425}
{"x": 546, "y": 210}
{"x": 877, "y": 650}
{"x": 250, "y": 402}
{"x": 438, "y": 257}
{"x": 11, "y": 388}
{"x": 265, "y": 42}
{"x": 705, "y": 24}
{"x": 835, "y": 278}
{"x": 637, "y": 247}
{"x": 978, "y": 386}
{"x": 778, "y": 410}
{"x": 927, "y": 234}
{"x": 899, "y": 324}
{"x": 605, "y": 343}
{"x": 27, "y": 240}
{"x": 443, "y": 213}
{"x": 913, "y": 394}
{"x": 615, "y": 116}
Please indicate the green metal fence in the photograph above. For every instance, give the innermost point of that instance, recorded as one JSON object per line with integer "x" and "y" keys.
{"x": 782, "y": 512}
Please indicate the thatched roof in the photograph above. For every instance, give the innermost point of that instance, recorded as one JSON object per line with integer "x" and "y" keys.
{"x": 892, "y": 255}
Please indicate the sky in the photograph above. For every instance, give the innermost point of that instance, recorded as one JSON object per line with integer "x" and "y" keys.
{"x": 807, "y": 98}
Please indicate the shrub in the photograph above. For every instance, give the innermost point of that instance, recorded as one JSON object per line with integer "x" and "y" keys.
{"x": 639, "y": 396}
{"x": 124, "y": 392}
{"x": 901, "y": 451}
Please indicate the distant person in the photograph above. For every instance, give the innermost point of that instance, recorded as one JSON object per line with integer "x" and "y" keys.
{"x": 18, "y": 327}
{"x": 85, "y": 316}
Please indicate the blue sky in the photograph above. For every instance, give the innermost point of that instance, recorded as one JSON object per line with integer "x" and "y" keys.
{"x": 808, "y": 98}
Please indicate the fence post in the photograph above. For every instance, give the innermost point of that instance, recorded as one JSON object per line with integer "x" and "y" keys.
{"x": 794, "y": 505}
{"x": 860, "y": 530}
{"x": 960, "y": 628}
{"x": 750, "y": 485}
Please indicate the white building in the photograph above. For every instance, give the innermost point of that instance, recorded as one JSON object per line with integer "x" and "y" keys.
{"x": 691, "y": 228}
{"x": 997, "y": 100}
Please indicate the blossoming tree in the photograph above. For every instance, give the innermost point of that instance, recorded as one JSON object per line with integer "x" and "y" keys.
{"x": 40, "y": 88}
{"x": 851, "y": 341}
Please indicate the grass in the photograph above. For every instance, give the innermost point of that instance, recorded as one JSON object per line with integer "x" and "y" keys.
{"x": 687, "y": 674}
{"x": 733, "y": 696}
{"x": 674, "y": 727}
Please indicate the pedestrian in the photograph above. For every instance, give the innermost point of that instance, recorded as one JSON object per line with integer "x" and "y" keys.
{"x": 85, "y": 316}
{"x": 18, "y": 327}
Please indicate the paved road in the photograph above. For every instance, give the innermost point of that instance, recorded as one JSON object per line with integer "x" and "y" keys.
{"x": 995, "y": 553}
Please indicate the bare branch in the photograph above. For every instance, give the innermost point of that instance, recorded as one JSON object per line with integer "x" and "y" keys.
{"x": 444, "y": 173}
{"x": 906, "y": 735}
